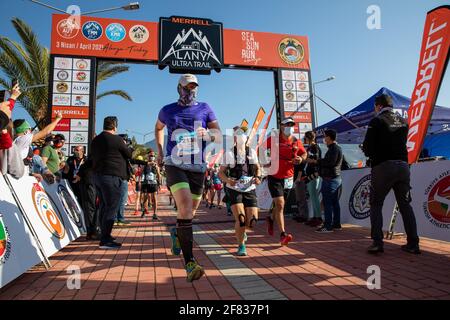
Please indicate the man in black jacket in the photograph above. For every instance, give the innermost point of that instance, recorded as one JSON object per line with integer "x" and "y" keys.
{"x": 110, "y": 157}
{"x": 85, "y": 177}
{"x": 385, "y": 145}
{"x": 330, "y": 171}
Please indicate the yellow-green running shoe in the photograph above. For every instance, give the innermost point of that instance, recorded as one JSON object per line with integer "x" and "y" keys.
{"x": 194, "y": 271}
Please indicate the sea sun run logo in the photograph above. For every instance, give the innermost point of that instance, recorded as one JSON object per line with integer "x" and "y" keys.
{"x": 291, "y": 51}
{"x": 92, "y": 30}
{"x": 192, "y": 49}
{"x": 359, "y": 204}
{"x": 46, "y": 212}
{"x": 115, "y": 32}
{"x": 437, "y": 205}
{"x": 5, "y": 243}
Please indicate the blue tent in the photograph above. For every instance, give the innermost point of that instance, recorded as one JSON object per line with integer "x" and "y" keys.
{"x": 362, "y": 114}
{"x": 437, "y": 144}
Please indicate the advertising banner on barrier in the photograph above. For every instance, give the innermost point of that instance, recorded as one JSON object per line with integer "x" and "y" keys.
{"x": 433, "y": 61}
{"x": 263, "y": 195}
{"x": 430, "y": 194}
{"x": 65, "y": 202}
{"x": 18, "y": 249}
{"x": 43, "y": 214}
{"x": 355, "y": 200}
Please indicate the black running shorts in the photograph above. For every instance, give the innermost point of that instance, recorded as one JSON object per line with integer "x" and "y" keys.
{"x": 276, "y": 187}
{"x": 248, "y": 199}
{"x": 149, "y": 188}
{"x": 182, "y": 179}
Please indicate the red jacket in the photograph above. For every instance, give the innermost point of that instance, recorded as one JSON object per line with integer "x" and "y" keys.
{"x": 5, "y": 138}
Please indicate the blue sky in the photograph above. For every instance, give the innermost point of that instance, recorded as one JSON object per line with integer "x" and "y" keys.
{"x": 362, "y": 60}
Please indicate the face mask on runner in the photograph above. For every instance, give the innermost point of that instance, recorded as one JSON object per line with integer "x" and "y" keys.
{"x": 152, "y": 159}
{"x": 187, "y": 97}
{"x": 288, "y": 131}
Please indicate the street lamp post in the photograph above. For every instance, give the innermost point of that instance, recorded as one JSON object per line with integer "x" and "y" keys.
{"x": 314, "y": 94}
{"x": 141, "y": 134}
{"x": 130, "y": 6}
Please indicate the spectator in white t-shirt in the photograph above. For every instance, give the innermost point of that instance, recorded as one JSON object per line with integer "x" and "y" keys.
{"x": 24, "y": 137}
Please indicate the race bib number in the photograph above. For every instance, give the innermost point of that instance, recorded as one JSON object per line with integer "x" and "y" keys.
{"x": 150, "y": 178}
{"x": 244, "y": 183}
{"x": 187, "y": 144}
{"x": 289, "y": 183}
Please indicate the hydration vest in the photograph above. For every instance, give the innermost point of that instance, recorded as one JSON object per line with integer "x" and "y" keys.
{"x": 238, "y": 170}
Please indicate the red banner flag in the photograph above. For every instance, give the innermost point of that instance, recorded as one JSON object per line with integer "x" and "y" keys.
{"x": 433, "y": 62}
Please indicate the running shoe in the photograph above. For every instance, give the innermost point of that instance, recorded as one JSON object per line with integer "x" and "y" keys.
{"x": 194, "y": 271}
{"x": 285, "y": 239}
{"x": 242, "y": 250}
{"x": 337, "y": 227}
{"x": 155, "y": 216}
{"x": 269, "y": 226}
{"x": 123, "y": 223}
{"x": 229, "y": 213}
{"x": 136, "y": 213}
{"x": 116, "y": 223}
{"x": 176, "y": 247}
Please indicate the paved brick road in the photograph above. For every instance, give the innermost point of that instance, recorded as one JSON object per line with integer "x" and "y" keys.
{"x": 314, "y": 266}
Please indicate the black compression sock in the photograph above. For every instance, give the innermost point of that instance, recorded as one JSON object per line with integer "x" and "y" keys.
{"x": 186, "y": 237}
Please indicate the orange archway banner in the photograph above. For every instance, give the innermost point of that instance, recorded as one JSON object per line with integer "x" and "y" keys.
{"x": 139, "y": 40}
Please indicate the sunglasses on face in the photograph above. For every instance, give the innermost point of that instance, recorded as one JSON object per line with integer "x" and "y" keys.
{"x": 191, "y": 86}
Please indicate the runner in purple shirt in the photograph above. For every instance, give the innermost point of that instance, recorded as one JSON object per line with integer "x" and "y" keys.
{"x": 187, "y": 123}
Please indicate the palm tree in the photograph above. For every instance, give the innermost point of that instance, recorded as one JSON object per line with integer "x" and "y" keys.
{"x": 30, "y": 62}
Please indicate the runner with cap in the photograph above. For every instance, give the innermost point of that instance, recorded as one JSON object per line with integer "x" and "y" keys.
{"x": 290, "y": 151}
{"x": 187, "y": 122}
{"x": 150, "y": 178}
{"x": 137, "y": 178}
{"x": 241, "y": 173}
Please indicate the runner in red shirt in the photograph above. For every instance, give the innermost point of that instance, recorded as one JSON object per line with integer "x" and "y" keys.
{"x": 289, "y": 151}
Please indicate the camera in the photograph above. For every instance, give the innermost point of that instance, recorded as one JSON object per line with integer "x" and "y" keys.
{"x": 125, "y": 138}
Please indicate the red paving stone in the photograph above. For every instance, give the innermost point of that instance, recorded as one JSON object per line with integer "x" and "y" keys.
{"x": 313, "y": 267}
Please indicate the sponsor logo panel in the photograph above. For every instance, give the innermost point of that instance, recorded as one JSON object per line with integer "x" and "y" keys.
{"x": 78, "y": 137}
{"x": 61, "y": 87}
{"x": 71, "y": 112}
{"x": 80, "y": 100}
{"x": 79, "y": 124}
{"x": 61, "y": 99}
{"x": 138, "y": 33}
{"x": 63, "y": 63}
{"x": 92, "y": 30}
{"x": 115, "y": 32}
{"x": 359, "y": 203}
{"x": 291, "y": 51}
